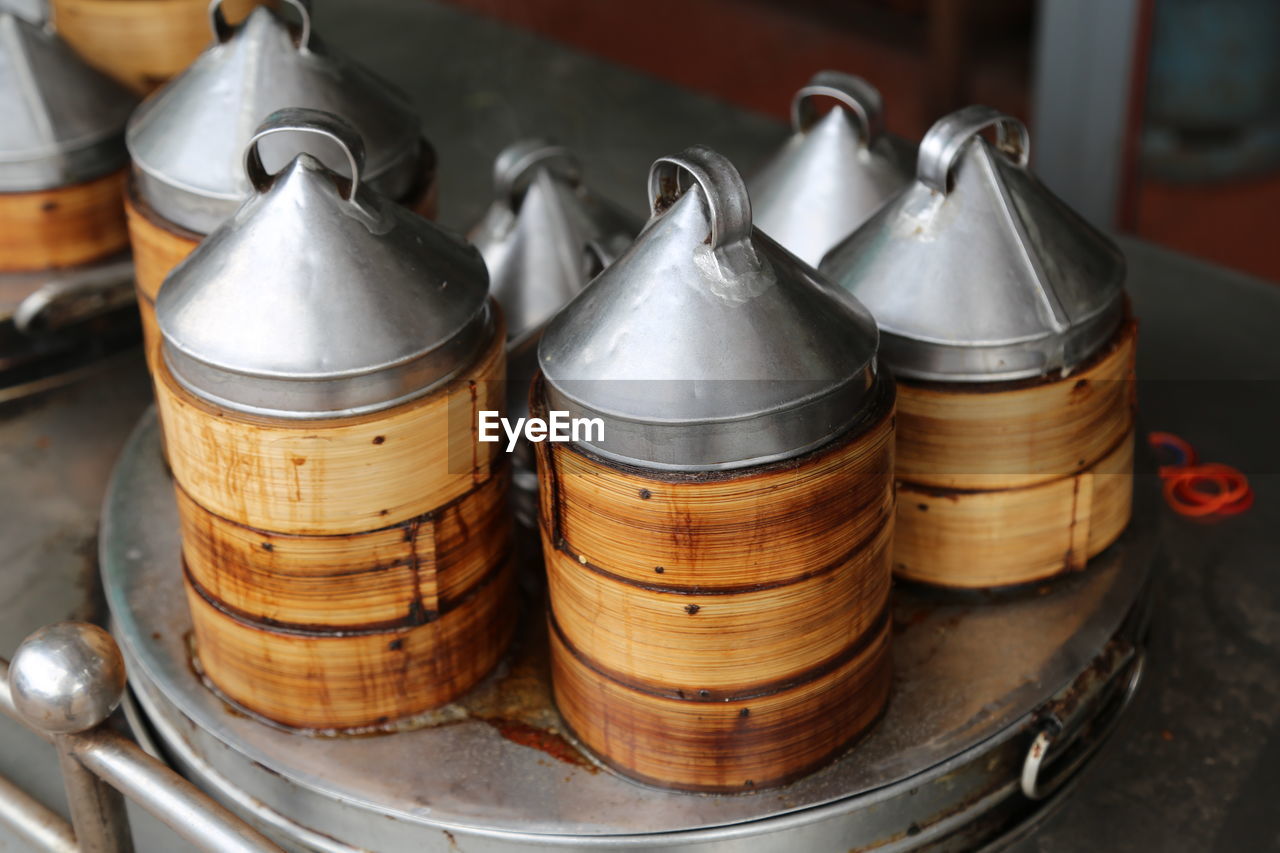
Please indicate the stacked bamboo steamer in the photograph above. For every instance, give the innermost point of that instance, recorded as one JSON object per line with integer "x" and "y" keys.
{"x": 62, "y": 158}
{"x": 140, "y": 43}
{"x": 834, "y": 171}
{"x": 186, "y": 141}
{"x": 544, "y": 236}
{"x": 346, "y": 541}
{"x": 1003, "y": 314}
{"x": 717, "y": 558}
{"x": 65, "y": 279}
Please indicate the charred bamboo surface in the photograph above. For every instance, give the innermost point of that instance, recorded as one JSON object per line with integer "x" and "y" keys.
{"x": 727, "y": 630}
{"x": 62, "y": 227}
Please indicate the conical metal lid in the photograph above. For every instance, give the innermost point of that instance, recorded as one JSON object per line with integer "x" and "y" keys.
{"x": 545, "y": 235}
{"x": 320, "y": 297}
{"x": 977, "y": 272}
{"x": 833, "y": 172}
{"x": 188, "y": 138}
{"x": 61, "y": 122}
{"x": 707, "y": 345}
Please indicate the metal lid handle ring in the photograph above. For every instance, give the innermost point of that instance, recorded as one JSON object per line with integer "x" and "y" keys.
{"x": 860, "y": 97}
{"x": 304, "y": 120}
{"x": 517, "y": 160}
{"x": 728, "y": 204}
{"x": 942, "y": 145}
{"x": 223, "y": 30}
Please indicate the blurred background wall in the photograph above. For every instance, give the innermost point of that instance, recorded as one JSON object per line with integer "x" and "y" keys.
{"x": 1154, "y": 117}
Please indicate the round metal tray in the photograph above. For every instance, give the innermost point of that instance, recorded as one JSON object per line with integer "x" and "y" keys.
{"x": 978, "y": 679}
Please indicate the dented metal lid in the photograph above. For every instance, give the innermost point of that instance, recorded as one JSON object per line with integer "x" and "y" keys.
{"x": 320, "y": 297}
{"x": 61, "y": 122}
{"x": 188, "y": 138}
{"x": 545, "y": 235}
{"x": 834, "y": 171}
{"x": 977, "y": 272}
{"x": 707, "y": 345}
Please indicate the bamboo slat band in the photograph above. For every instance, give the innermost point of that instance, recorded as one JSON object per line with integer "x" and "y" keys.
{"x": 341, "y": 475}
{"x": 141, "y": 43}
{"x": 872, "y": 631}
{"x": 63, "y": 227}
{"x": 416, "y": 566}
{"x": 674, "y": 589}
{"x": 647, "y": 521}
{"x": 415, "y": 619}
{"x": 683, "y": 642}
{"x": 982, "y": 539}
{"x": 337, "y": 681}
{"x": 1013, "y": 434}
{"x": 722, "y": 746}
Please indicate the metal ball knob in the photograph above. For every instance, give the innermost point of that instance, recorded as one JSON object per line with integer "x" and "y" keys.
{"x": 67, "y": 677}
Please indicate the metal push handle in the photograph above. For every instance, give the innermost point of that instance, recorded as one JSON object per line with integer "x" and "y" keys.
{"x": 943, "y": 144}
{"x": 305, "y": 120}
{"x": 223, "y": 30}
{"x": 728, "y": 205}
{"x": 65, "y": 681}
{"x": 1050, "y": 746}
{"x": 855, "y": 94}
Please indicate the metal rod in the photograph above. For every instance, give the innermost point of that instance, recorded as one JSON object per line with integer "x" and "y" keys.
{"x": 97, "y": 810}
{"x": 39, "y": 826}
{"x": 172, "y": 799}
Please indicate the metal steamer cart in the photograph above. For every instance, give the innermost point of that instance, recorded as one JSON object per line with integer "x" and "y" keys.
{"x": 999, "y": 700}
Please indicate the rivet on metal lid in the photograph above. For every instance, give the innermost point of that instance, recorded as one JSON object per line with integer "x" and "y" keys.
{"x": 834, "y": 171}
{"x": 61, "y": 122}
{"x": 977, "y": 272}
{"x": 706, "y": 345}
{"x": 187, "y": 139}
{"x": 319, "y": 297}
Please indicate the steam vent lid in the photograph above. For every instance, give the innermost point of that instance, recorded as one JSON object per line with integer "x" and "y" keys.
{"x": 706, "y": 345}
{"x": 61, "y": 122}
{"x": 319, "y": 297}
{"x": 834, "y": 171}
{"x": 545, "y": 235}
{"x": 977, "y": 272}
{"x": 188, "y": 138}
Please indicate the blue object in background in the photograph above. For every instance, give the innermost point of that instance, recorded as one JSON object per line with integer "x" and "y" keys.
{"x": 1213, "y": 93}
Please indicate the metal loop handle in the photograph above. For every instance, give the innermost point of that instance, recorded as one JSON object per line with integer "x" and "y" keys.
{"x": 223, "y": 30}
{"x": 1036, "y": 788}
{"x": 860, "y": 97}
{"x": 944, "y": 142}
{"x": 517, "y": 160}
{"x": 728, "y": 204}
{"x": 305, "y": 120}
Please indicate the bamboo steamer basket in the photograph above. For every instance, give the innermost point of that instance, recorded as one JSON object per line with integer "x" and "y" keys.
{"x": 347, "y": 549}
{"x": 834, "y": 171}
{"x": 1003, "y": 315}
{"x": 62, "y": 158}
{"x": 186, "y": 140}
{"x": 140, "y": 43}
{"x": 718, "y": 555}
{"x": 544, "y": 236}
